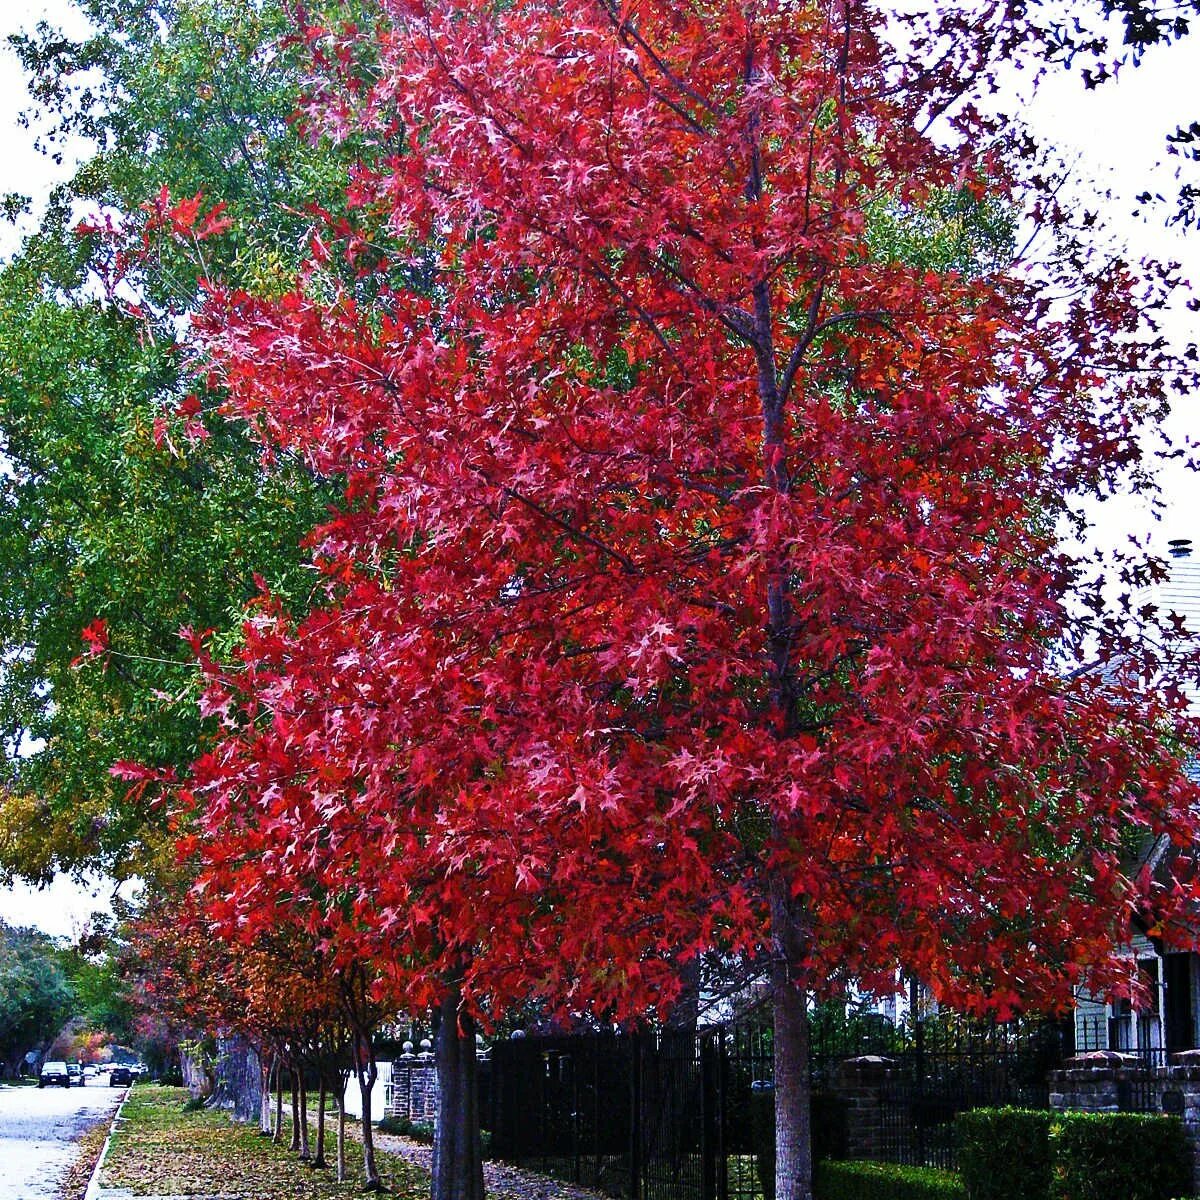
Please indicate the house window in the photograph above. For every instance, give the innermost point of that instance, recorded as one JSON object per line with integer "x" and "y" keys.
{"x": 1120, "y": 1025}
{"x": 1149, "y": 1011}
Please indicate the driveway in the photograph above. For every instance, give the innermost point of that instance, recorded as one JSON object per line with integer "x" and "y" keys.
{"x": 38, "y": 1131}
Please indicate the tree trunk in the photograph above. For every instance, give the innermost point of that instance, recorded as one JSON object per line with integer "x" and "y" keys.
{"x": 277, "y": 1132}
{"x": 793, "y": 1140}
{"x": 793, "y": 1085}
{"x": 294, "y": 1145}
{"x": 685, "y": 1012}
{"x": 264, "y": 1095}
{"x": 341, "y": 1131}
{"x": 457, "y": 1154}
{"x": 666, "y": 1096}
{"x": 367, "y": 1074}
{"x": 319, "y": 1159}
{"x": 305, "y": 1152}
{"x": 361, "y": 1017}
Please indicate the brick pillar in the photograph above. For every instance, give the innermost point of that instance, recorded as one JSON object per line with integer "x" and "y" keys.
{"x": 1088, "y": 1082}
{"x": 401, "y": 1086}
{"x": 860, "y": 1082}
{"x": 425, "y": 1093}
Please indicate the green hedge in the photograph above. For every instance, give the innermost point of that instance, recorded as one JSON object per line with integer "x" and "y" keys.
{"x": 884, "y": 1181}
{"x": 1018, "y": 1154}
{"x": 1004, "y": 1153}
{"x": 1133, "y": 1156}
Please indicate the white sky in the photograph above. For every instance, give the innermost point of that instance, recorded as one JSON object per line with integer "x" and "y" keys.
{"x": 1118, "y": 133}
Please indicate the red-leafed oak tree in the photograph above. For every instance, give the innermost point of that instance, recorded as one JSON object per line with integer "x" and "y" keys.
{"x": 697, "y": 583}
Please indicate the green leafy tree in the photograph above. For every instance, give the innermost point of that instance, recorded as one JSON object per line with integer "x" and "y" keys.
{"x": 102, "y": 992}
{"x": 35, "y": 994}
{"x": 120, "y": 512}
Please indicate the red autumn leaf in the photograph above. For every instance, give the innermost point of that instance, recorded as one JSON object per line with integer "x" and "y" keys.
{"x": 95, "y": 636}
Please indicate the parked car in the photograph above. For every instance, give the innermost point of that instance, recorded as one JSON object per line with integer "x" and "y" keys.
{"x": 54, "y": 1072}
{"x": 89, "y": 1072}
{"x": 75, "y": 1071}
{"x": 120, "y": 1077}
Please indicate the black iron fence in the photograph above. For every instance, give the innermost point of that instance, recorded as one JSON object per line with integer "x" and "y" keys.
{"x": 950, "y": 1066}
{"x": 640, "y": 1115}
{"x": 683, "y": 1116}
{"x": 1135, "y": 1036}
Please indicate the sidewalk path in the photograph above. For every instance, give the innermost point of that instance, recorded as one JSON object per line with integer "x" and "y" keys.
{"x": 503, "y": 1182}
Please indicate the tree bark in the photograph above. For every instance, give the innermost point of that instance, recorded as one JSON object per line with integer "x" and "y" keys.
{"x": 685, "y": 1012}
{"x": 793, "y": 1140}
{"x": 457, "y": 1153}
{"x": 294, "y": 1145}
{"x": 367, "y": 1074}
{"x": 277, "y": 1132}
{"x": 793, "y": 1084}
{"x": 361, "y": 1017}
{"x": 265, "y": 1069}
{"x": 341, "y": 1130}
{"x": 305, "y": 1152}
{"x": 323, "y": 1092}
{"x": 666, "y": 1098}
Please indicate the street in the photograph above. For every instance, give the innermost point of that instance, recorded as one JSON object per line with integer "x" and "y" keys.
{"x": 38, "y": 1131}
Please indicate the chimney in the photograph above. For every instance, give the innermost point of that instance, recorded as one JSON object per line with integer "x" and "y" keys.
{"x": 1180, "y": 547}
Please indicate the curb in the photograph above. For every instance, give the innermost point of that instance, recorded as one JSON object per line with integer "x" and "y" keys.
{"x": 92, "y": 1192}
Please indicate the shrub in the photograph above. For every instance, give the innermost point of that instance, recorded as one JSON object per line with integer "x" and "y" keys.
{"x": 420, "y": 1132}
{"x": 1004, "y": 1153}
{"x": 397, "y": 1125}
{"x": 884, "y": 1181}
{"x": 1131, "y": 1155}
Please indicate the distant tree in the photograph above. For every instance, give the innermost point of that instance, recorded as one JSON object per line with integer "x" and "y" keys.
{"x": 79, "y": 1042}
{"x": 102, "y": 1000}
{"x": 35, "y": 994}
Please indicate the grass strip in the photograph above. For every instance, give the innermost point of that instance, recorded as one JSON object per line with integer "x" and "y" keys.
{"x": 159, "y": 1149}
